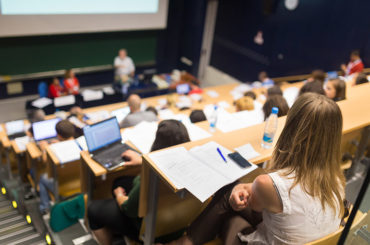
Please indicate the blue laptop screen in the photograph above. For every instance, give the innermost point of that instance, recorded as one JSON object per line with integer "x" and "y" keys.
{"x": 102, "y": 134}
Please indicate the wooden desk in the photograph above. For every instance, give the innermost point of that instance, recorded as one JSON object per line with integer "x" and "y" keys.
{"x": 66, "y": 176}
{"x": 5, "y": 151}
{"x": 356, "y": 115}
{"x": 21, "y": 160}
{"x": 34, "y": 162}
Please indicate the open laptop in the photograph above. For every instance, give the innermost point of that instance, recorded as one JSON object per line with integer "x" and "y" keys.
{"x": 183, "y": 88}
{"x": 104, "y": 142}
{"x": 45, "y": 130}
{"x": 15, "y": 129}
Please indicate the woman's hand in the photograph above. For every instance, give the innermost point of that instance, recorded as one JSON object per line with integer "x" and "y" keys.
{"x": 239, "y": 197}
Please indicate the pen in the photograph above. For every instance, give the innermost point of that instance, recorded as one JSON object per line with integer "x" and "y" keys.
{"x": 219, "y": 152}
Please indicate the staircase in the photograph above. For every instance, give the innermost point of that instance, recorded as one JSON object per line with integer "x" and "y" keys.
{"x": 15, "y": 229}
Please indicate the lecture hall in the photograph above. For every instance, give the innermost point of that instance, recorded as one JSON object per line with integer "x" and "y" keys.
{"x": 184, "y": 122}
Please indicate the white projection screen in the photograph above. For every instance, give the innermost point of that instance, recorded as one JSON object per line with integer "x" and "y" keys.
{"x": 45, "y": 17}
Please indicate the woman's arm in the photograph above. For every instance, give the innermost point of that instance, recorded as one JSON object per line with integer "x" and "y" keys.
{"x": 260, "y": 195}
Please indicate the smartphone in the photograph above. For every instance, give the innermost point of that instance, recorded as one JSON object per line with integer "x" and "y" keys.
{"x": 241, "y": 161}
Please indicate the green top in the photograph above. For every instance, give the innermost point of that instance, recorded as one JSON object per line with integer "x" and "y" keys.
{"x": 131, "y": 206}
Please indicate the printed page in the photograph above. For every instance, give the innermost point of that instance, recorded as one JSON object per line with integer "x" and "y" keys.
{"x": 66, "y": 151}
{"x": 185, "y": 171}
{"x": 209, "y": 155}
{"x": 64, "y": 100}
{"x": 42, "y": 102}
{"x": 81, "y": 141}
{"x": 22, "y": 142}
{"x": 142, "y": 135}
{"x": 247, "y": 151}
{"x": 195, "y": 132}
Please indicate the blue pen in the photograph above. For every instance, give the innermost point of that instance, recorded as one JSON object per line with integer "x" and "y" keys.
{"x": 219, "y": 152}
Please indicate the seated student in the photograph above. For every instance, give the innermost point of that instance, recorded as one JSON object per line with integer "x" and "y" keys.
{"x": 274, "y": 90}
{"x": 251, "y": 94}
{"x": 317, "y": 75}
{"x": 197, "y": 116}
{"x": 355, "y": 64}
{"x": 65, "y": 131}
{"x": 361, "y": 78}
{"x": 152, "y": 109}
{"x": 120, "y": 215}
{"x": 71, "y": 83}
{"x": 299, "y": 200}
{"x": 265, "y": 80}
{"x": 313, "y": 87}
{"x": 275, "y": 101}
{"x": 55, "y": 89}
{"x": 136, "y": 115}
{"x": 244, "y": 104}
{"x": 336, "y": 89}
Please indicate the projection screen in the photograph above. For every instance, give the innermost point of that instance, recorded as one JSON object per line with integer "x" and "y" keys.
{"x": 45, "y": 17}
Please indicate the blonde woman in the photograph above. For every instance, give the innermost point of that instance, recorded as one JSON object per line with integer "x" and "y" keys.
{"x": 301, "y": 197}
{"x": 244, "y": 104}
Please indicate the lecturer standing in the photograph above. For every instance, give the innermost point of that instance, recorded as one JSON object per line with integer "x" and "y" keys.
{"x": 124, "y": 70}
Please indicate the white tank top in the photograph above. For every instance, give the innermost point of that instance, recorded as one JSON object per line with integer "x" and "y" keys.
{"x": 302, "y": 220}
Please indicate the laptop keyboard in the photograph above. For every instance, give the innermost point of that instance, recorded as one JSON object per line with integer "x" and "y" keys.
{"x": 112, "y": 154}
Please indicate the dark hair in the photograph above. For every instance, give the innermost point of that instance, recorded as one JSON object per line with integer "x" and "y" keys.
{"x": 314, "y": 87}
{"x": 275, "y": 101}
{"x": 250, "y": 94}
{"x": 318, "y": 75}
{"x": 197, "y": 116}
{"x": 152, "y": 109}
{"x": 361, "y": 78}
{"x": 274, "y": 90}
{"x": 65, "y": 129}
{"x": 169, "y": 133}
{"x": 340, "y": 89}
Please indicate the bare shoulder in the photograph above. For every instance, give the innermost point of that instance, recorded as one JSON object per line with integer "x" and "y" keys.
{"x": 263, "y": 186}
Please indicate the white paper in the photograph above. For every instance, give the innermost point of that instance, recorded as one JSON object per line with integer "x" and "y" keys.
{"x": 195, "y": 132}
{"x": 166, "y": 114}
{"x": 291, "y": 94}
{"x": 81, "y": 141}
{"x": 98, "y": 116}
{"x": 42, "y": 102}
{"x": 212, "y": 93}
{"x": 226, "y": 122}
{"x": 185, "y": 171}
{"x": 183, "y": 102}
{"x": 249, "y": 118}
{"x": 236, "y": 95}
{"x": 66, "y": 151}
{"x": 162, "y": 102}
{"x": 247, "y": 151}
{"x": 209, "y": 156}
{"x": 142, "y": 135}
{"x": 196, "y": 97}
{"x": 14, "y": 127}
{"x": 223, "y": 104}
{"x": 64, "y": 100}
{"x": 90, "y": 95}
{"x": 121, "y": 113}
{"x": 201, "y": 170}
{"x": 108, "y": 90}
{"x": 75, "y": 121}
{"x": 22, "y": 142}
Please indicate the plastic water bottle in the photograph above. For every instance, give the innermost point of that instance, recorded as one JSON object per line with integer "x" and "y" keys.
{"x": 213, "y": 119}
{"x": 270, "y": 128}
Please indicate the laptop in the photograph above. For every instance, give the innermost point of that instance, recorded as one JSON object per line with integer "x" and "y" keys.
{"x": 45, "y": 130}
{"x": 104, "y": 143}
{"x": 332, "y": 75}
{"x": 15, "y": 129}
{"x": 120, "y": 113}
{"x": 183, "y": 88}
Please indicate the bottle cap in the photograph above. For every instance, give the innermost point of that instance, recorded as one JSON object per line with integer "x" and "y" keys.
{"x": 215, "y": 107}
{"x": 275, "y": 110}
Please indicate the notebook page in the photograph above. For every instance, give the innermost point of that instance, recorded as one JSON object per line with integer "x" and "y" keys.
{"x": 66, "y": 151}
{"x": 185, "y": 171}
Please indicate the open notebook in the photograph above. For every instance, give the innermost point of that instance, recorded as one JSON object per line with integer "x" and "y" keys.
{"x": 201, "y": 170}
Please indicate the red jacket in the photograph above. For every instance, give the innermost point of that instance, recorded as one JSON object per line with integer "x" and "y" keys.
{"x": 55, "y": 91}
{"x": 355, "y": 66}
{"x": 71, "y": 85}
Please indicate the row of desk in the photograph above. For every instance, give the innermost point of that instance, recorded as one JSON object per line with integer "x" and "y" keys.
{"x": 156, "y": 189}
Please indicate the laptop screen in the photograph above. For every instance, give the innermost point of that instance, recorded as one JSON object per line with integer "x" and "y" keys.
{"x": 102, "y": 134}
{"x": 14, "y": 127}
{"x": 183, "y": 88}
{"x": 45, "y": 129}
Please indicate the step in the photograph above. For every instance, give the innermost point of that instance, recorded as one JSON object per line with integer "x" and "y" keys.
{"x": 17, "y": 235}
{"x": 6, "y": 209}
{"x": 11, "y": 213}
{"x": 13, "y": 228}
{"x": 4, "y": 203}
{"x": 10, "y": 221}
{"x": 32, "y": 239}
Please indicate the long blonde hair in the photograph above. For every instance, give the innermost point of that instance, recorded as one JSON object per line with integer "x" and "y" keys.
{"x": 309, "y": 147}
